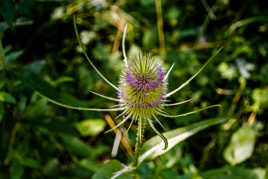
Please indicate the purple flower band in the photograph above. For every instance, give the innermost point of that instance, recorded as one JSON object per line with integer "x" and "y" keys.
{"x": 143, "y": 83}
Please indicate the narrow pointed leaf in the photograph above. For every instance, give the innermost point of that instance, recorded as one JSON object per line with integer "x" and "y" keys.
{"x": 154, "y": 146}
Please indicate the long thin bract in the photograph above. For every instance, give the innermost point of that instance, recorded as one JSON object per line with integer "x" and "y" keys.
{"x": 130, "y": 125}
{"x": 105, "y": 97}
{"x": 190, "y": 79}
{"x": 123, "y": 113}
{"x": 88, "y": 59}
{"x": 188, "y": 113}
{"x": 159, "y": 122}
{"x": 77, "y": 107}
{"x": 159, "y": 134}
{"x": 123, "y": 45}
{"x": 166, "y": 76}
{"x": 119, "y": 124}
{"x": 178, "y": 103}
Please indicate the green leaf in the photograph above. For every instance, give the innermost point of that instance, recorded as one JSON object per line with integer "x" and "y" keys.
{"x": 241, "y": 145}
{"x": 29, "y": 162}
{"x": 52, "y": 167}
{"x": 260, "y": 98}
{"x": 230, "y": 173}
{"x": 64, "y": 79}
{"x": 260, "y": 172}
{"x": 5, "y": 97}
{"x": 88, "y": 164}
{"x": 76, "y": 146}
{"x": 109, "y": 169}
{"x": 11, "y": 57}
{"x": 154, "y": 146}
{"x": 90, "y": 127}
{"x": 37, "y": 108}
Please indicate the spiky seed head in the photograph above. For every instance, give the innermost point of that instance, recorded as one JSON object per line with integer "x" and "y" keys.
{"x": 142, "y": 87}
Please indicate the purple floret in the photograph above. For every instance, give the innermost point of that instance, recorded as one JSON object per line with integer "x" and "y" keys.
{"x": 143, "y": 83}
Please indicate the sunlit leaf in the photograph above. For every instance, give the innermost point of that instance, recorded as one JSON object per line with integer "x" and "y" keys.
{"x": 90, "y": 127}
{"x": 241, "y": 145}
{"x": 154, "y": 146}
{"x": 261, "y": 173}
{"x": 260, "y": 98}
{"x": 5, "y": 97}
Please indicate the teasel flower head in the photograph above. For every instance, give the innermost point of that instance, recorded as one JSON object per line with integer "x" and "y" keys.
{"x": 142, "y": 87}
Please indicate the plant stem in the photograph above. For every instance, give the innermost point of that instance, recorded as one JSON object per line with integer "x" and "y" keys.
{"x": 139, "y": 139}
{"x": 160, "y": 28}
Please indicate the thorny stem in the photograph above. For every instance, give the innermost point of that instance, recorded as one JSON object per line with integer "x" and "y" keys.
{"x": 139, "y": 139}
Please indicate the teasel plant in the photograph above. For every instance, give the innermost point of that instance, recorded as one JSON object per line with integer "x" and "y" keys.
{"x": 142, "y": 96}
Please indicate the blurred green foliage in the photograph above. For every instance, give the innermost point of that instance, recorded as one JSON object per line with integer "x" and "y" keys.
{"x": 38, "y": 48}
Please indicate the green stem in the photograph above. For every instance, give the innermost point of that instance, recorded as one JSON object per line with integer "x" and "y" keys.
{"x": 139, "y": 139}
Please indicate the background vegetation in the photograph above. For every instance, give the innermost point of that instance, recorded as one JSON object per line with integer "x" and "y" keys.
{"x": 37, "y": 43}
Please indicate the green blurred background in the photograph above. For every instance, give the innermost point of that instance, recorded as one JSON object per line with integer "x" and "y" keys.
{"x": 38, "y": 47}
